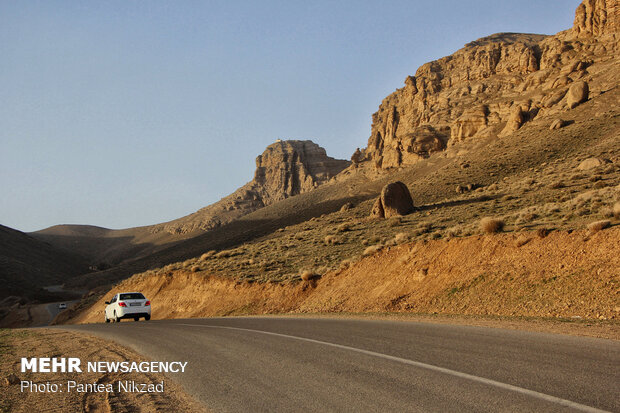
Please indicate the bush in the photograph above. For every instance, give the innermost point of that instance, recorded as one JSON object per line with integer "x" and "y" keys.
{"x": 331, "y": 240}
{"x": 394, "y": 222}
{"x": 522, "y": 240}
{"x": 207, "y": 255}
{"x": 195, "y": 268}
{"x": 599, "y": 225}
{"x": 491, "y": 225}
{"x": 401, "y": 238}
{"x": 373, "y": 249}
{"x": 307, "y": 275}
{"x": 344, "y": 227}
{"x": 542, "y": 232}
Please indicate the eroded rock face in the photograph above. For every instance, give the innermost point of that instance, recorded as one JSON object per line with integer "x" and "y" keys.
{"x": 493, "y": 87}
{"x": 597, "y": 17}
{"x": 395, "y": 200}
{"x": 284, "y": 169}
{"x": 288, "y": 168}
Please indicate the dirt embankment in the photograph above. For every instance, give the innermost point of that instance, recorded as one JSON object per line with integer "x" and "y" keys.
{"x": 561, "y": 275}
{"x": 15, "y": 344}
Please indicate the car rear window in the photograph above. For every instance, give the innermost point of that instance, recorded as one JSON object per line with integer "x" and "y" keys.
{"x": 131, "y": 296}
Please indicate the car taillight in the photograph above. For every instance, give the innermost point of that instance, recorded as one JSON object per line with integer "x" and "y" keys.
{"x": 122, "y": 304}
{"x": 147, "y": 303}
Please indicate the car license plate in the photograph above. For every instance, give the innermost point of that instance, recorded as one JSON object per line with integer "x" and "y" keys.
{"x": 135, "y": 305}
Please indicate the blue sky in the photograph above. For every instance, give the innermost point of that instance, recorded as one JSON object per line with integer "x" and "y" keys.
{"x": 129, "y": 113}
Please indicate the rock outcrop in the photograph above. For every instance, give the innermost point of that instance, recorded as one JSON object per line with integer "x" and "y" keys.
{"x": 284, "y": 169}
{"x": 597, "y": 17}
{"x": 395, "y": 200}
{"x": 288, "y": 168}
{"x": 577, "y": 93}
{"x": 494, "y": 86}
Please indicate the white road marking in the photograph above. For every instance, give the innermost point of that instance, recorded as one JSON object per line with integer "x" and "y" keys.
{"x": 505, "y": 386}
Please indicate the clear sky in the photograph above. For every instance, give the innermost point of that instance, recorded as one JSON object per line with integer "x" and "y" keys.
{"x": 128, "y": 113}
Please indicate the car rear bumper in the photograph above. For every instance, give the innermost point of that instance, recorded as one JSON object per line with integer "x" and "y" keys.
{"x": 134, "y": 311}
{"x": 134, "y": 315}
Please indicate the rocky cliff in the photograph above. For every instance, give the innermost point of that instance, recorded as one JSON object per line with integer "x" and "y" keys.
{"x": 494, "y": 85}
{"x": 284, "y": 169}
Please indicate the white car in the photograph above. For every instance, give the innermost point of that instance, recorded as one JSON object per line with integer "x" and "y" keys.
{"x": 62, "y": 306}
{"x": 127, "y": 305}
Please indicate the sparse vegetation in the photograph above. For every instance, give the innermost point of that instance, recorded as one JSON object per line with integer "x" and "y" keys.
{"x": 599, "y": 225}
{"x": 522, "y": 240}
{"x": 331, "y": 240}
{"x": 491, "y": 225}
{"x": 308, "y": 275}
{"x": 373, "y": 249}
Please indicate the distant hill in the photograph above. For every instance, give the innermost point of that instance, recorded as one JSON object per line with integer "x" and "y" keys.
{"x": 27, "y": 264}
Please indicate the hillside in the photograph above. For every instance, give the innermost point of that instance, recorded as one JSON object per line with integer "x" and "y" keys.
{"x": 481, "y": 275}
{"x": 27, "y": 264}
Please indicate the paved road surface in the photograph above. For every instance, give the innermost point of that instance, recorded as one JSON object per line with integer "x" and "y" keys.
{"x": 320, "y": 365}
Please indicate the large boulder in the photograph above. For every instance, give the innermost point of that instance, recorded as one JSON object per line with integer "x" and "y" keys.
{"x": 577, "y": 94}
{"x": 395, "y": 200}
{"x": 590, "y": 163}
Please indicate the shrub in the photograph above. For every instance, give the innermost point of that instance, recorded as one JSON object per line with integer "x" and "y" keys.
{"x": 344, "y": 227}
{"x": 394, "y": 222}
{"x": 373, "y": 249}
{"x": 607, "y": 212}
{"x": 346, "y": 263}
{"x": 529, "y": 216}
{"x": 195, "y": 268}
{"x": 207, "y": 255}
{"x": 307, "y": 275}
{"x": 491, "y": 225}
{"x": 542, "y": 232}
{"x": 522, "y": 240}
{"x": 365, "y": 242}
{"x": 401, "y": 237}
{"x": 598, "y": 225}
{"x": 331, "y": 240}
{"x": 424, "y": 227}
{"x": 556, "y": 185}
{"x": 454, "y": 231}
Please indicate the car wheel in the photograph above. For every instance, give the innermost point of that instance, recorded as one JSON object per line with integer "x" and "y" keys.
{"x": 147, "y": 317}
{"x": 136, "y": 319}
{"x": 107, "y": 320}
{"x": 116, "y": 318}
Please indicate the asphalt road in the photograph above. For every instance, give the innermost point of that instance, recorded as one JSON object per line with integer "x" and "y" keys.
{"x": 343, "y": 365}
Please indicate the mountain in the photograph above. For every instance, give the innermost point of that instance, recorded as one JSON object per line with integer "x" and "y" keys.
{"x": 504, "y": 127}
{"x": 284, "y": 169}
